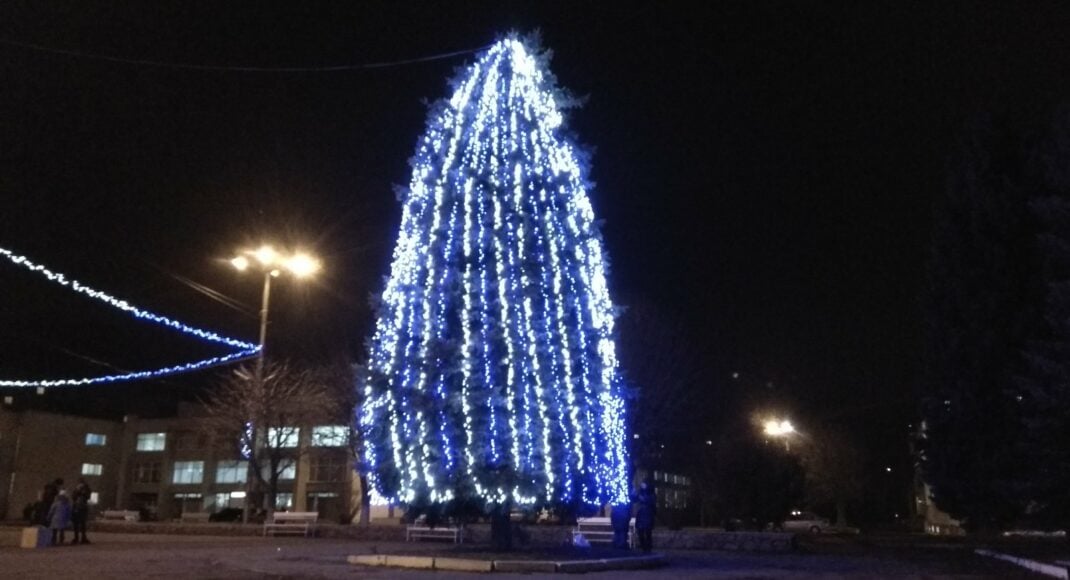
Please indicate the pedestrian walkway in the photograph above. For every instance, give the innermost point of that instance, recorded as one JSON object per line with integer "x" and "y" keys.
{"x": 169, "y": 557}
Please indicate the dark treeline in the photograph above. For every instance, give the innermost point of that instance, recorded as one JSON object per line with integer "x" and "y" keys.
{"x": 995, "y": 444}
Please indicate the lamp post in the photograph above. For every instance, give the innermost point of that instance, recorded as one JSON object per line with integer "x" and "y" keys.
{"x": 782, "y": 429}
{"x": 271, "y": 263}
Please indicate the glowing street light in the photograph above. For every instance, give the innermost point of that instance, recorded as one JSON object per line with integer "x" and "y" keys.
{"x": 780, "y": 428}
{"x": 776, "y": 428}
{"x": 271, "y": 263}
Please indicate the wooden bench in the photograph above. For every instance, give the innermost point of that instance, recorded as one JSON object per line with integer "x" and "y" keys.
{"x": 420, "y": 529}
{"x": 200, "y": 517}
{"x": 600, "y": 529}
{"x": 125, "y": 515}
{"x": 291, "y": 523}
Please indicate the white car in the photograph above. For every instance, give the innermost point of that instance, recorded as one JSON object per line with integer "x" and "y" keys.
{"x": 800, "y": 521}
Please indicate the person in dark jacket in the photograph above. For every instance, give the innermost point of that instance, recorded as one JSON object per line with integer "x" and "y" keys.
{"x": 80, "y": 511}
{"x": 646, "y": 501}
{"x": 620, "y": 516}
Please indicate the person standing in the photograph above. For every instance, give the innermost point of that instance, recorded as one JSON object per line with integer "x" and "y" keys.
{"x": 620, "y": 516}
{"x": 646, "y": 501}
{"x": 48, "y": 495}
{"x": 80, "y": 511}
{"x": 59, "y": 517}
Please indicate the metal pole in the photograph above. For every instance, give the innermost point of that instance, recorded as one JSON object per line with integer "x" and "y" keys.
{"x": 259, "y": 378}
{"x": 263, "y": 325}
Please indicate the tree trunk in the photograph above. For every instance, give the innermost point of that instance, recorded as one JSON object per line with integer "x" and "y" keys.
{"x": 501, "y": 529}
{"x": 841, "y": 513}
{"x": 365, "y": 503}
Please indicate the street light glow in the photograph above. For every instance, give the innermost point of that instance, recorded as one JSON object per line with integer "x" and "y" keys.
{"x": 241, "y": 263}
{"x": 776, "y": 428}
{"x": 266, "y": 255}
{"x": 302, "y": 265}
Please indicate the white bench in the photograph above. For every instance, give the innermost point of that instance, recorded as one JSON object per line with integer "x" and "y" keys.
{"x": 600, "y": 530}
{"x": 291, "y": 523}
{"x": 194, "y": 517}
{"x": 419, "y": 529}
{"x": 125, "y": 515}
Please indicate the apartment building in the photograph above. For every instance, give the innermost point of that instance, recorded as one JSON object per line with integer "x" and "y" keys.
{"x": 165, "y": 467}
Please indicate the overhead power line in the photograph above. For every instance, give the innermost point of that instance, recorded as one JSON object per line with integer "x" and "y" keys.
{"x": 228, "y": 68}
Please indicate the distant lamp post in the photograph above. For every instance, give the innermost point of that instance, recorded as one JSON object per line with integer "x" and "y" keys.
{"x": 272, "y": 264}
{"x": 782, "y": 429}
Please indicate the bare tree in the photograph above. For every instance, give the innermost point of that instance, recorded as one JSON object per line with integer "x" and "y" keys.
{"x": 662, "y": 365}
{"x": 835, "y": 470}
{"x": 264, "y": 416}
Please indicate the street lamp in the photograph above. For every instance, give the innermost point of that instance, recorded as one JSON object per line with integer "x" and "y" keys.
{"x": 782, "y": 429}
{"x": 272, "y": 264}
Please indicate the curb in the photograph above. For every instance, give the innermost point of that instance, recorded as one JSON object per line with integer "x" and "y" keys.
{"x": 1032, "y": 565}
{"x": 544, "y": 566}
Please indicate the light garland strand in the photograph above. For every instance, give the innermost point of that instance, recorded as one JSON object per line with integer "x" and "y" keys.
{"x": 246, "y": 349}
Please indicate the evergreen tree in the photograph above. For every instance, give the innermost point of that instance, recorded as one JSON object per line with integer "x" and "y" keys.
{"x": 492, "y": 372}
{"x": 981, "y": 310}
{"x": 1044, "y": 387}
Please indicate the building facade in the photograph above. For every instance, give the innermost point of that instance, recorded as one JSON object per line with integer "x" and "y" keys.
{"x": 166, "y": 467}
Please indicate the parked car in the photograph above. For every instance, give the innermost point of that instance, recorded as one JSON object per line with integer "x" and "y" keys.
{"x": 800, "y": 521}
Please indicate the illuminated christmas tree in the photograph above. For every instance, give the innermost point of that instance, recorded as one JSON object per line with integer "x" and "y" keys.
{"x": 492, "y": 372}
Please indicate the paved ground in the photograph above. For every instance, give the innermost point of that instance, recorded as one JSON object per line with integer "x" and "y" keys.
{"x": 129, "y": 556}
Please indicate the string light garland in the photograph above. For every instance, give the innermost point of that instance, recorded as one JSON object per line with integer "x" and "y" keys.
{"x": 492, "y": 370}
{"x": 245, "y": 349}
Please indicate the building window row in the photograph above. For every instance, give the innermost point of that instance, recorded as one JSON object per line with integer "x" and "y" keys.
{"x": 92, "y": 469}
{"x": 278, "y": 437}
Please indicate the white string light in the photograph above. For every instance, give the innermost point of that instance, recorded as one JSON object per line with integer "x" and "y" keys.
{"x": 245, "y": 349}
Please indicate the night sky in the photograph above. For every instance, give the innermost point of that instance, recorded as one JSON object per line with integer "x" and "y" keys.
{"x": 764, "y": 170}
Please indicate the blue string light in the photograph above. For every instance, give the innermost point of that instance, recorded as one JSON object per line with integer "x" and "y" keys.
{"x": 245, "y": 349}
{"x": 494, "y": 344}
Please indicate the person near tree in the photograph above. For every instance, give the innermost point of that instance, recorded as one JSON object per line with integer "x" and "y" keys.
{"x": 620, "y": 516}
{"x": 48, "y": 495}
{"x": 646, "y": 501}
{"x": 80, "y": 511}
{"x": 59, "y": 517}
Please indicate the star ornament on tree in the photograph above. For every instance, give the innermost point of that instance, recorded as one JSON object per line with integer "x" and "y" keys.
{"x": 492, "y": 371}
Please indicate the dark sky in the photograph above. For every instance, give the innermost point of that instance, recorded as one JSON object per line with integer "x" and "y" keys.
{"x": 765, "y": 169}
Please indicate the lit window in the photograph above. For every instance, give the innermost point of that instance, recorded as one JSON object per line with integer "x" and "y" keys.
{"x": 330, "y": 436}
{"x": 228, "y": 500}
{"x": 188, "y": 472}
{"x": 231, "y": 471}
{"x": 151, "y": 441}
{"x": 94, "y": 498}
{"x": 92, "y": 469}
{"x": 284, "y": 501}
{"x": 95, "y": 439}
{"x": 283, "y": 436}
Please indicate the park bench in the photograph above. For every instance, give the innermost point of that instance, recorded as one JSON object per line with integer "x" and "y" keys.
{"x": 124, "y": 515}
{"x": 194, "y": 517}
{"x": 420, "y": 529}
{"x": 600, "y": 529}
{"x": 291, "y": 523}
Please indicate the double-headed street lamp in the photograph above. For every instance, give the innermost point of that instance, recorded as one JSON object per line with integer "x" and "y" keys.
{"x": 272, "y": 264}
{"x": 782, "y": 429}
